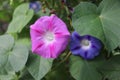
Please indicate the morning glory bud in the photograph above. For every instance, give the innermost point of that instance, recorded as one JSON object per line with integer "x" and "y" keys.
{"x": 36, "y": 6}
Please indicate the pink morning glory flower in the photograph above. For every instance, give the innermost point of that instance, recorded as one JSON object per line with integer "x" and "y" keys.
{"x": 49, "y": 36}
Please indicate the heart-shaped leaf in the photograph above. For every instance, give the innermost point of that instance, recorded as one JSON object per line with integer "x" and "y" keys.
{"x": 6, "y": 44}
{"x": 18, "y": 57}
{"x": 82, "y": 70}
{"x": 102, "y": 22}
{"x": 21, "y": 16}
{"x": 38, "y": 66}
{"x": 12, "y": 53}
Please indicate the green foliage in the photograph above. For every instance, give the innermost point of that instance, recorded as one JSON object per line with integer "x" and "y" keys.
{"x": 25, "y": 75}
{"x": 25, "y": 41}
{"x": 110, "y": 69}
{"x": 12, "y": 53}
{"x": 82, "y": 70}
{"x": 7, "y": 77}
{"x": 38, "y": 66}
{"x": 60, "y": 72}
{"x": 18, "y": 57}
{"x": 6, "y": 44}
{"x": 101, "y": 22}
{"x": 99, "y": 19}
{"x": 22, "y": 15}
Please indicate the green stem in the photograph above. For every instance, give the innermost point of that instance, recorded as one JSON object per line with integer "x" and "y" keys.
{"x": 67, "y": 56}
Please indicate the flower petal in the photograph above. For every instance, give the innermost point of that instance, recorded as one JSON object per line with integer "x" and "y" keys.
{"x": 43, "y": 51}
{"x": 36, "y": 44}
{"x": 97, "y": 43}
{"x": 76, "y": 36}
{"x": 58, "y": 26}
{"x": 35, "y": 34}
{"x": 60, "y": 45}
{"x": 92, "y": 53}
{"x": 74, "y": 47}
{"x": 41, "y": 24}
{"x": 47, "y": 51}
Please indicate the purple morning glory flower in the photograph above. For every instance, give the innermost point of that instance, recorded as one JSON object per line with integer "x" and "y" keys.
{"x": 49, "y": 36}
{"x": 36, "y": 6}
{"x": 85, "y": 46}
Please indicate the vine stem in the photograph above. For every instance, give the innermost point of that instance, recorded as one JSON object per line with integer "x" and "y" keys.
{"x": 67, "y": 56}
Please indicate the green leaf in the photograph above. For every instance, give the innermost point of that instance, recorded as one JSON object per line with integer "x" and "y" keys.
{"x": 8, "y": 68}
{"x": 102, "y": 22}
{"x": 25, "y": 41}
{"x": 111, "y": 68}
{"x": 6, "y": 44}
{"x": 18, "y": 57}
{"x": 7, "y": 77}
{"x": 3, "y": 71}
{"x": 81, "y": 69}
{"x": 38, "y": 66}
{"x": 114, "y": 75}
{"x": 14, "y": 54}
{"x": 59, "y": 72}
{"x": 25, "y": 75}
{"x": 21, "y": 16}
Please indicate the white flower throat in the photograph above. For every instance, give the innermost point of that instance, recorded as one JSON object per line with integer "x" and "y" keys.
{"x": 49, "y": 37}
{"x": 86, "y": 44}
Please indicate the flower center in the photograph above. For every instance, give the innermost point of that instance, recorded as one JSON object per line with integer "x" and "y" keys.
{"x": 85, "y": 42}
{"x": 49, "y": 36}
